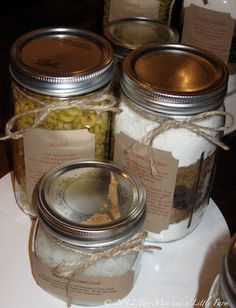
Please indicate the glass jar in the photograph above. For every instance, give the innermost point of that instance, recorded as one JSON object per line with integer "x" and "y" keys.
{"x": 168, "y": 132}
{"x": 90, "y": 219}
{"x": 210, "y": 24}
{"x": 127, "y": 34}
{"x": 61, "y": 92}
{"x": 223, "y": 290}
{"x": 155, "y": 9}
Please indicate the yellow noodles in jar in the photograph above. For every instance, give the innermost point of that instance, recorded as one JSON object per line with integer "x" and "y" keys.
{"x": 74, "y": 118}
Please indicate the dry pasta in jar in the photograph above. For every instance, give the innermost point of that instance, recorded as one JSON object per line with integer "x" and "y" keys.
{"x": 63, "y": 102}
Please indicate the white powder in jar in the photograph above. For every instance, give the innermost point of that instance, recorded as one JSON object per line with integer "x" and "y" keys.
{"x": 184, "y": 145}
{"x": 178, "y": 230}
{"x": 52, "y": 254}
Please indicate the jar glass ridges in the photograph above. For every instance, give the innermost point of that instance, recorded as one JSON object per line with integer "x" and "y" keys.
{"x": 101, "y": 207}
{"x": 61, "y": 80}
{"x": 160, "y": 133}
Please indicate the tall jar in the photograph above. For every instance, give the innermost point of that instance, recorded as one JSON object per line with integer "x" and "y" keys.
{"x": 210, "y": 24}
{"x": 61, "y": 92}
{"x": 86, "y": 243}
{"x": 168, "y": 132}
{"x": 223, "y": 290}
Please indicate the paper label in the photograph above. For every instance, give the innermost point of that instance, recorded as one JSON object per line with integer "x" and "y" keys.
{"x": 159, "y": 188}
{"x": 209, "y": 30}
{"x": 45, "y": 149}
{"x": 93, "y": 289}
{"x": 127, "y": 8}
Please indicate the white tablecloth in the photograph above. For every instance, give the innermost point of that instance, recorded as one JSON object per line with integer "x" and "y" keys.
{"x": 180, "y": 275}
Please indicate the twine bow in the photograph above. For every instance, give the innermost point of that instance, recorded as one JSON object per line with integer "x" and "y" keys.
{"x": 190, "y": 124}
{"x": 70, "y": 269}
{"x": 86, "y": 103}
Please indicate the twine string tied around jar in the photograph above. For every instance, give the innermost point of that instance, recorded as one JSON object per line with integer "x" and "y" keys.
{"x": 191, "y": 124}
{"x": 99, "y": 103}
{"x": 70, "y": 269}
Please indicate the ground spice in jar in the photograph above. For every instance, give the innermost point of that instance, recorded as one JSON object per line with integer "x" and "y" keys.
{"x": 169, "y": 130}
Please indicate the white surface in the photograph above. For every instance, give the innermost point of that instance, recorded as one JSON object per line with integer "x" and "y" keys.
{"x": 178, "y": 276}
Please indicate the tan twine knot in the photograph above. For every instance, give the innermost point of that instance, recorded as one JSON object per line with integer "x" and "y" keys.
{"x": 189, "y": 124}
{"x": 87, "y": 103}
{"x": 70, "y": 269}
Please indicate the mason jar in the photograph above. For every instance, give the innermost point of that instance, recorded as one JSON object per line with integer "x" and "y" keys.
{"x": 160, "y": 10}
{"x": 63, "y": 103}
{"x": 89, "y": 228}
{"x": 168, "y": 131}
{"x": 223, "y": 290}
{"x": 127, "y": 34}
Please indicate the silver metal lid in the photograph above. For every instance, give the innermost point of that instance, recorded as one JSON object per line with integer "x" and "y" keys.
{"x": 89, "y": 202}
{"x": 228, "y": 274}
{"x": 61, "y": 61}
{"x": 174, "y": 79}
{"x": 127, "y": 34}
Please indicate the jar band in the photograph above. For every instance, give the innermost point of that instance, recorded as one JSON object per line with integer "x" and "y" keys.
{"x": 165, "y": 124}
{"x": 69, "y": 269}
{"x": 100, "y": 102}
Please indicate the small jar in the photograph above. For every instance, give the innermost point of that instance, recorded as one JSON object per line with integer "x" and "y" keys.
{"x": 168, "y": 132}
{"x": 61, "y": 92}
{"x": 223, "y": 290}
{"x": 88, "y": 210}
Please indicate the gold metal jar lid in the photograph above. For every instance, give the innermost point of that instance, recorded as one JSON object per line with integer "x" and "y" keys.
{"x": 61, "y": 61}
{"x": 174, "y": 79}
{"x": 90, "y": 203}
{"x": 127, "y": 34}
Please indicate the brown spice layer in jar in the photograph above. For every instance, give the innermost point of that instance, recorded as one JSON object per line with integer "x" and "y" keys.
{"x": 193, "y": 187}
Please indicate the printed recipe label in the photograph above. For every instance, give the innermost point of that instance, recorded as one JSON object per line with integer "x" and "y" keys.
{"x": 159, "y": 188}
{"x": 209, "y": 30}
{"x": 45, "y": 149}
{"x": 84, "y": 288}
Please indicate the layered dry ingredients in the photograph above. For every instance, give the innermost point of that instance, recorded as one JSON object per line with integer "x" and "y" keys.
{"x": 169, "y": 130}
{"x": 89, "y": 237}
{"x": 63, "y": 103}
{"x": 195, "y": 156}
